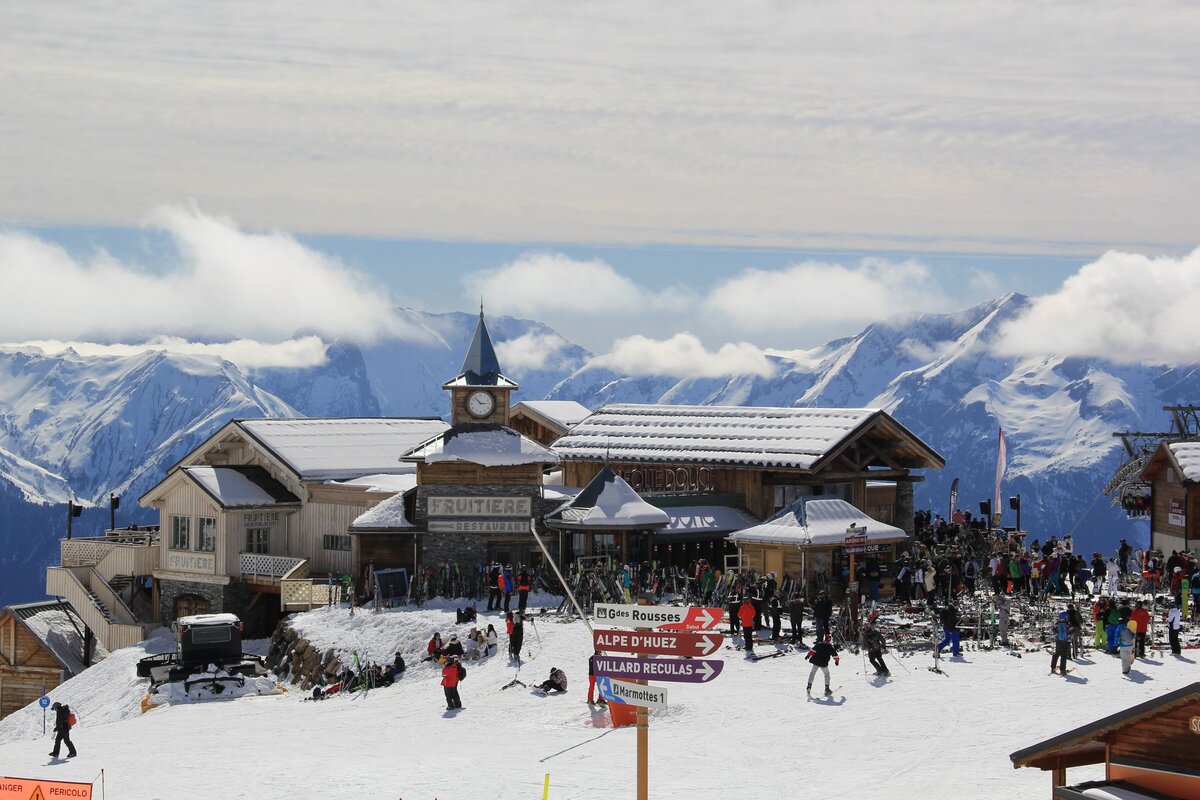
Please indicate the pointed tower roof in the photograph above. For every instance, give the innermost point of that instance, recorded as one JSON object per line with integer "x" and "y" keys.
{"x": 481, "y": 367}
{"x": 607, "y": 502}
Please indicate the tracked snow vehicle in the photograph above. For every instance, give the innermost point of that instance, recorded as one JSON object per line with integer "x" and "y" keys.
{"x": 208, "y": 652}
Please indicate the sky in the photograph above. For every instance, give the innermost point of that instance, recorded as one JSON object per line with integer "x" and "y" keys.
{"x": 770, "y": 176}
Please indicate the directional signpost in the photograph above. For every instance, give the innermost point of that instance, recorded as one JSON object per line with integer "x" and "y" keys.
{"x": 662, "y": 631}
{"x": 658, "y": 643}
{"x": 679, "y": 670}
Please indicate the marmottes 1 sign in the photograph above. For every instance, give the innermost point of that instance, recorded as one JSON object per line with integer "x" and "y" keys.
{"x": 665, "y": 618}
{"x": 631, "y": 693}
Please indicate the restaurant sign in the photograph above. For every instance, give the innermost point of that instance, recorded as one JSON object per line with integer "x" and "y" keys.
{"x": 679, "y": 480}
{"x": 480, "y": 507}
{"x": 478, "y": 526}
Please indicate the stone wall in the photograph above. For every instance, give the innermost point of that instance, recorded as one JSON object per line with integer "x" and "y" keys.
{"x": 232, "y": 598}
{"x": 471, "y": 548}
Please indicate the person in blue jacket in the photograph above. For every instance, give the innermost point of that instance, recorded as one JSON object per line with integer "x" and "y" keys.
{"x": 1062, "y": 642}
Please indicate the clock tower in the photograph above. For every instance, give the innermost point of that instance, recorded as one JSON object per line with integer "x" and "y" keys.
{"x": 480, "y": 393}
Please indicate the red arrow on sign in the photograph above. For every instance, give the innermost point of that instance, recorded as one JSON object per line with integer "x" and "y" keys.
{"x": 666, "y": 643}
{"x": 697, "y": 619}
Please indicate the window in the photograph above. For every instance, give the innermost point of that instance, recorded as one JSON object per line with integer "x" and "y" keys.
{"x": 258, "y": 540}
{"x": 335, "y": 542}
{"x": 180, "y": 533}
{"x": 606, "y": 544}
{"x": 206, "y": 535}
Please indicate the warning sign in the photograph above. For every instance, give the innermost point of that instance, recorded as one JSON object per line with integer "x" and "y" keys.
{"x": 34, "y": 789}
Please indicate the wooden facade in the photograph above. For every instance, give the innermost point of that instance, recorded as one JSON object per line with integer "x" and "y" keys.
{"x": 28, "y": 667}
{"x": 1153, "y": 746}
{"x": 1174, "y": 503}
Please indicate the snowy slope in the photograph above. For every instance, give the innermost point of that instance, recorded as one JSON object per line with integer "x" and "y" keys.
{"x": 748, "y": 733}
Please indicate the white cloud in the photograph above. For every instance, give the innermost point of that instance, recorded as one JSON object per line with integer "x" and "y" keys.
{"x": 821, "y": 294}
{"x": 684, "y": 356}
{"x": 306, "y": 351}
{"x": 533, "y": 350}
{"x": 544, "y": 284}
{"x": 1125, "y": 307}
{"x": 262, "y": 286}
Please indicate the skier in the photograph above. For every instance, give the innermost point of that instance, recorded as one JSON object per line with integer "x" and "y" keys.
{"x": 1125, "y": 640}
{"x": 1003, "y": 608}
{"x": 524, "y": 584}
{"x": 949, "y": 618}
{"x": 557, "y": 682}
{"x": 775, "y": 611}
{"x": 822, "y": 610}
{"x": 819, "y": 656}
{"x": 516, "y": 637}
{"x": 1075, "y": 629}
{"x": 1174, "y": 626}
{"x": 796, "y": 614}
{"x": 735, "y": 602}
{"x": 62, "y": 730}
{"x": 1140, "y": 619}
{"x": 874, "y": 643}
{"x": 746, "y": 616}
{"x": 452, "y": 673}
{"x": 1114, "y": 575}
{"x": 1062, "y": 642}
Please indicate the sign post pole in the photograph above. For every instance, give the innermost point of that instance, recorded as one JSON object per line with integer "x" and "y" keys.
{"x": 643, "y": 733}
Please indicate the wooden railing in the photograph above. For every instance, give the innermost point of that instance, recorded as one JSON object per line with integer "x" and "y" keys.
{"x": 75, "y": 583}
{"x": 266, "y": 569}
{"x": 129, "y": 554}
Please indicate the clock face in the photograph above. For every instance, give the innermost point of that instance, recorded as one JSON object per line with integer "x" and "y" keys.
{"x": 480, "y": 404}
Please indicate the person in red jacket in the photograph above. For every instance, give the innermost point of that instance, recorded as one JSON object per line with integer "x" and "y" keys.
{"x": 452, "y": 673}
{"x": 746, "y": 617}
{"x": 524, "y": 585}
{"x": 1141, "y": 617}
{"x": 434, "y": 648}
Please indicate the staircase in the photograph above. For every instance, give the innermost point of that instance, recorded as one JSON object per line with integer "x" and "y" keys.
{"x": 113, "y": 624}
{"x": 120, "y": 583}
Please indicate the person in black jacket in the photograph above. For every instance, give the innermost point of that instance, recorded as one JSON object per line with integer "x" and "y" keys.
{"x": 775, "y": 610}
{"x": 822, "y": 610}
{"x": 874, "y": 643}
{"x": 62, "y": 730}
{"x": 819, "y": 656}
{"x": 949, "y": 617}
{"x": 735, "y": 602}
{"x": 796, "y": 612}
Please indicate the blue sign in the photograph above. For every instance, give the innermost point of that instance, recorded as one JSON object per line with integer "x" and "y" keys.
{"x": 604, "y": 685}
{"x": 44, "y": 701}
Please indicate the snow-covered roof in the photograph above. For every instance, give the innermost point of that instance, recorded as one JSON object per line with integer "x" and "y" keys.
{"x": 55, "y": 625}
{"x": 241, "y": 487}
{"x": 707, "y": 519}
{"x": 391, "y": 484}
{"x": 554, "y": 491}
{"x": 772, "y": 437}
{"x": 386, "y": 516}
{"x": 209, "y": 619}
{"x": 484, "y": 444}
{"x": 1187, "y": 456}
{"x": 562, "y": 414}
{"x": 607, "y": 502}
{"x": 817, "y": 521}
{"x": 337, "y": 449}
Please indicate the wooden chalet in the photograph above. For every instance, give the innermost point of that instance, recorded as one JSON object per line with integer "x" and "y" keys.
{"x": 41, "y": 646}
{"x": 545, "y": 421}
{"x": 759, "y": 460}
{"x": 1150, "y": 751}
{"x": 1173, "y": 473}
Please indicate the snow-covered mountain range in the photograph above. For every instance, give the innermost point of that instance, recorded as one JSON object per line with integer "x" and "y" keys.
{"x": 91, "y": 425}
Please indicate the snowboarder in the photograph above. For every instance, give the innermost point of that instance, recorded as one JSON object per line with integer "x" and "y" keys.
{"x": 1062, "y": 642}
{"x": 819, "y": 657}
{"x": 874, "y": 643}
{"x": 557, "y": 682}
{"x": 452, "y": 673}
{"x": 62, "y": 730}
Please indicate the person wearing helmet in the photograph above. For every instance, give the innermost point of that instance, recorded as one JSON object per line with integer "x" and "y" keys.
{"x": 62, "y": 730}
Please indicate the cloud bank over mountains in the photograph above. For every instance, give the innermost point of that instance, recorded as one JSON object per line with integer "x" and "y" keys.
{"x": 263, "y": 299}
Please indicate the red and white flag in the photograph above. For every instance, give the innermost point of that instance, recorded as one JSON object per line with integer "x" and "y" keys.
{"x": 1001, "y": 463}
